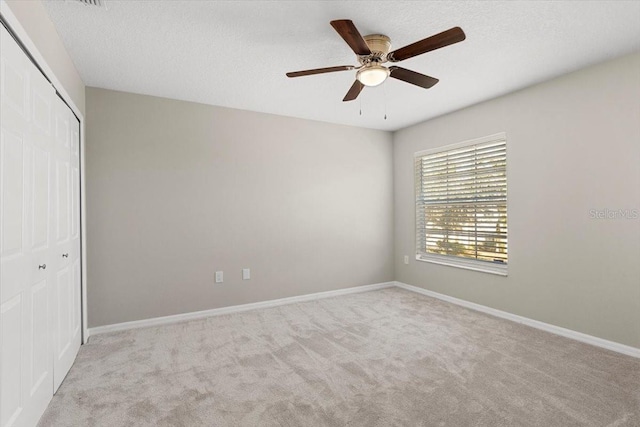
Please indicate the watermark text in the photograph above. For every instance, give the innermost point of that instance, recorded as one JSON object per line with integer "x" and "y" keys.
{"x": 614, "y": 213}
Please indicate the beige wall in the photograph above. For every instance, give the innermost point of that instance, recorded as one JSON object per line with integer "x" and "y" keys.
{"x": 573, "y": 145}
{"x": 36, "y": 22}
{"x": 178, "y": 190}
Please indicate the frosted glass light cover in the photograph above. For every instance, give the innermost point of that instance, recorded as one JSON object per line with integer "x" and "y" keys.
{"x": 372, "y": 75}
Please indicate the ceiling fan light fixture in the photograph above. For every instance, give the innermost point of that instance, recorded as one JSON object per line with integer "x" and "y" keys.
{"x": 373, "y": 50}
{"x": 372, "y": 74}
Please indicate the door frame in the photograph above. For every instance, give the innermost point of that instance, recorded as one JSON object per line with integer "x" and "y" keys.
{"x": 15, "y": 27}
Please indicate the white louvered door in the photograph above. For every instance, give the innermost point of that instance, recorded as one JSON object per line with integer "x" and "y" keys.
{"x": 32, "y": 237}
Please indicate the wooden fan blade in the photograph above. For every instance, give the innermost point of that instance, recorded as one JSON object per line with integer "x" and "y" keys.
{"x": 412, "y": 77}
{"x": 354, "y": 91}
{"x": 350, "y": 34}
{"x": 445, "y": 38}
{"x": 320, "y": 71}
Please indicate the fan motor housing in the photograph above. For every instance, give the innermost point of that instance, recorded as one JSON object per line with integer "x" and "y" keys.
{"x": 379, "y": 44}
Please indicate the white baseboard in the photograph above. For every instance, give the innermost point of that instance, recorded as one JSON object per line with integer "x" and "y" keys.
{"x": 156, "y": 321}
{"x": 568, "y": 333}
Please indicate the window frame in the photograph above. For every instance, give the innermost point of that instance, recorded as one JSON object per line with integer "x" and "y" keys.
{"x": 456, "y": 261}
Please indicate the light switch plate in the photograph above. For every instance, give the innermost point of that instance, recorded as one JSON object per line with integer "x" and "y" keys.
{"x": 406, "y": 259}
{"x": 246, "y": 273}
{"x": 219, "y": 276}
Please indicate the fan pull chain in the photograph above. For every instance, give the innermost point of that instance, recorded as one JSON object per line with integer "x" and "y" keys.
{"x": 385, "y": 101}
{"x": 360, "y": 100}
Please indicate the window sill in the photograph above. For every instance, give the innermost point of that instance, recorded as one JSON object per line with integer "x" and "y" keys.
{"x": 484, "y": 267}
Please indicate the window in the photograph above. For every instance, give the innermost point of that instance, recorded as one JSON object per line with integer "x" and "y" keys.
{"x": 461, "y": 205}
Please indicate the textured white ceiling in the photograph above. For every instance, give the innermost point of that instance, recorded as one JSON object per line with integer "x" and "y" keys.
{"x": 235, "y": 53}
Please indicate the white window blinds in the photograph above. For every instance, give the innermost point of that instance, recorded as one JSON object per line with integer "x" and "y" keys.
{"x": 461, "y": 203}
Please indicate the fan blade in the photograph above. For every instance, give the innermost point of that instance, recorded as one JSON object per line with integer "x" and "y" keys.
{"x": 354, "y": 91}
{"x": 350, "y": 34}
{"x": 320, "y": 71}
{"x": 445, "y": 38}
{"x": 412, "y": 77}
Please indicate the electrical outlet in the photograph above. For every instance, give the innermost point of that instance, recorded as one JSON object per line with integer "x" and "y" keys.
{"x": 246, "y": 273}
{"x": 406, "y": 259}
{"x": 219, "y": 276}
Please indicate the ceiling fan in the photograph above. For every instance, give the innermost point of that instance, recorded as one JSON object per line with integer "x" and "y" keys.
{"x": 373, "y": 50}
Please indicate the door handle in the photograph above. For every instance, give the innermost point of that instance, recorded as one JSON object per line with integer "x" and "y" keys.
{"x": 42, "y": 267}
{"x": 65, "y": 255}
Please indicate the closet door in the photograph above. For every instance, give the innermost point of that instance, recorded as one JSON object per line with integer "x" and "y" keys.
{"x": 66, "y": 294}
{"x": 26, "y": 117}
{"x": 75, "y": 252}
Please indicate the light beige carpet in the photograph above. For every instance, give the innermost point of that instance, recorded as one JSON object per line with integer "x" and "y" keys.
{"x": 380, "y": 358}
